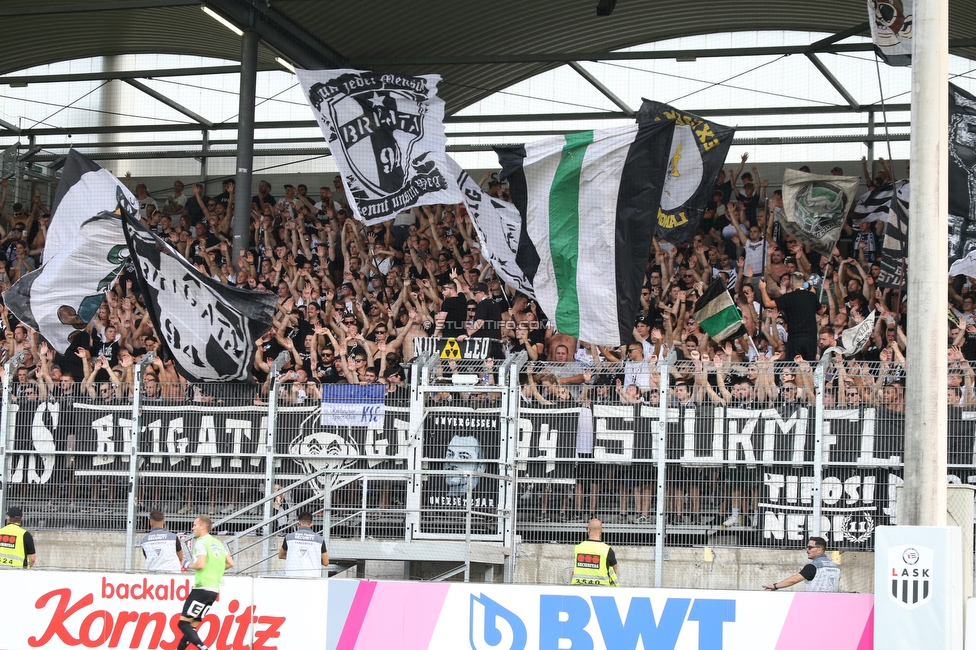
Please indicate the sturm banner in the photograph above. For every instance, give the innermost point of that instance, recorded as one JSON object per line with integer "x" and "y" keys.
{"x": 386, "y": 133}
{"x": 57, "y": 442}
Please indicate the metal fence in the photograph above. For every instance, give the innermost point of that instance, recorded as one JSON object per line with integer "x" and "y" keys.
{"x": 672, "y": 453}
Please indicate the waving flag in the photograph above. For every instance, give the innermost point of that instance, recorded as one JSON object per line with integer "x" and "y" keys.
{"x": 208, "y": 328}
{"x": 386, "y": 133}
{"x": 891, "y": 29}
{"x": 816, "y": 206}
{"x": 698, "y": 151}
{"x": 588, "y": 202}
{"x": 717, "y": 315}
{"x": 501, "y": 231}
{"x": 84, "y": 254}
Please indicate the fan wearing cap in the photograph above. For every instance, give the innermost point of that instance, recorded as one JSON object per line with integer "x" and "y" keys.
{"x": 16, "y": 544}
{"x": 487, "y": 315}
{"x": 450, "y": 320}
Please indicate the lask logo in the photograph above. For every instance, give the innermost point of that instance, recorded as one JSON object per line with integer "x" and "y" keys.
{"x": 910, "y": 570}
{"x": 493, "y": 627}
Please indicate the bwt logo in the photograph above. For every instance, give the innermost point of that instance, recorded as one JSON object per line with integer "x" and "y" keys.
{"x": 563, "y": 619}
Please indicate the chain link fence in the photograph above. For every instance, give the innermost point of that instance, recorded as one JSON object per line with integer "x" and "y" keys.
{"x": 686, "y": 453}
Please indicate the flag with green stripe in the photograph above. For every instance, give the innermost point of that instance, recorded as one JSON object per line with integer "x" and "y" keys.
{"x": 717, "y": 315}
{"x": 587, "y": 200}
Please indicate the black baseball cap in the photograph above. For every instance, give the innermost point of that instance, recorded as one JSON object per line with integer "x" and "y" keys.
{"x": 15, "y": 512}
{"x": 480, "y": 287}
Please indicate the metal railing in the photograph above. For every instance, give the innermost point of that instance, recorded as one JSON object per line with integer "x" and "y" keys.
{"x": 667, "y": 453}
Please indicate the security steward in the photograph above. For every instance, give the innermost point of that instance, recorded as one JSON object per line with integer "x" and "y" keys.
{"x": 595, "y": 562}
{"x": 16, "y": 544}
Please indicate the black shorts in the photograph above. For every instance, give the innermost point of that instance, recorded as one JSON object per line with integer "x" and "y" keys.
{"x": 688, "y": 475}
{"x": 586, "y": 469}
{"x": 198, "y": 603}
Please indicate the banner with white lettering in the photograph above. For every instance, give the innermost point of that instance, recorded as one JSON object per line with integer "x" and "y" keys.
{"x": 463, "y": 443}
{"x": 208, "y": 328}
{"x": 386, "y": 134}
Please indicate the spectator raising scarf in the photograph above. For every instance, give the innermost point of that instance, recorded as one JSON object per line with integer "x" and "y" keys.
{"x": 717, "y": 315}
{"x": 501, "y": 231}
{"x": 588, "y": 201}
{"x": 816, "y": 206}
{"x": 853, "y": 339}
{"x": 209, "y": 328}
{"x": 891, "y": 29}
{"x": 386, "y": 133}
{"x": 83, "y": 256}
{"x": 698, "y": 152}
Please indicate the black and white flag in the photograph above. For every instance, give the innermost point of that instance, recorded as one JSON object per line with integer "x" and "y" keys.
{"x": 962, "y": 173}
{"x": 874, "y": 205}
{"x": 894, "y": 247}
{"x": 502, "y": 233}
{"x": 852, "y": 339}
{"x": 386, "y": 133}
{"x": 698, "y": 151}
{"x": 209, "y": 328}
{"x": 891, "y": 29}
{"x": 84, "y": 253}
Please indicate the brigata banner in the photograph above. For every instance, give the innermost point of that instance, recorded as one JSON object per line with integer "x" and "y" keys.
{"x": 448, "y": 616}
{"x": 59, "y": 609}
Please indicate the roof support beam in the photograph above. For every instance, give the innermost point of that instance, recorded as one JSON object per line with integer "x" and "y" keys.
{"x": 131, "y": 74}
{"x": 9, "y": 127}
{"x": 460, "y": 119}
{"x": 596, "y": 83}
{"x": 838, "y": 86}
{"x": 138, "y": 85}
{"x": 566, "y": 57}
{"x": 315, "y": 140}
{"x": 44, "y": 9}
{"x": 290, "y": 39}
{"x": 839, "y": 36}
{"x": 324, "y": 151}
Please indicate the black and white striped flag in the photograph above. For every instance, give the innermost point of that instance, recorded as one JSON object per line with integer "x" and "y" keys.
{"x": 875, "y": 205}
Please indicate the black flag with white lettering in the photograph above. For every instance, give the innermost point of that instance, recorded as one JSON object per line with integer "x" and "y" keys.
{"x": 209, "y": 328}
{"x": 698, "y": 152}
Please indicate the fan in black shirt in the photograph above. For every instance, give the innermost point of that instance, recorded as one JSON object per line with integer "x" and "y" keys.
{"x": 799, "y": 309}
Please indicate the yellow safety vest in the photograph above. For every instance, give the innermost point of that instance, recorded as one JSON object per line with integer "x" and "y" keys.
{"x": 12, "y": 555}
{"x": 590, "y": 565}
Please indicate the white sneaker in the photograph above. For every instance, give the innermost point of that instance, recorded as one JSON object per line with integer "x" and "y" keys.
{"x": 731, "y": 521}
{"x": 185, "y": 510}
{"x": 226, "y": 510}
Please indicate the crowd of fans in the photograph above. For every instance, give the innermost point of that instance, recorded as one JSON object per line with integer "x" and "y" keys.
{"x": 353, "y": 299}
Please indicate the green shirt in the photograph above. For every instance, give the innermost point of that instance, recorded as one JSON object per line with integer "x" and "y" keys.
{"x": 210, "y": 576}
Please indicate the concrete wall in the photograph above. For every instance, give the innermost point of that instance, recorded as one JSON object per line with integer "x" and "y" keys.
{"x": 693, "y": 568}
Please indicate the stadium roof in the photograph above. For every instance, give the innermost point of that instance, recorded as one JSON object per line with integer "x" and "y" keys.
{"x": 511, "y": 71}
{"x": 478, "y": 48}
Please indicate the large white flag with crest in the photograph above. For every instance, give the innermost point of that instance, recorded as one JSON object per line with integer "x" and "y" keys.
{"x": 386, "y": 132}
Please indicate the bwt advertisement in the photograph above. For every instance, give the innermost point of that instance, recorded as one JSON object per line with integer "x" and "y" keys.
{"x": 70, "y": 610}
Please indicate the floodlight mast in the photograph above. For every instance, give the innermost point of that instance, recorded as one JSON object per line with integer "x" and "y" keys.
{"x": 924, "y": 492}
